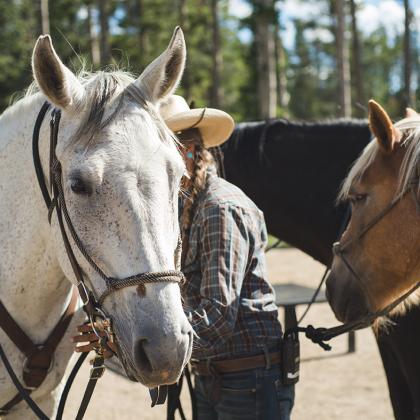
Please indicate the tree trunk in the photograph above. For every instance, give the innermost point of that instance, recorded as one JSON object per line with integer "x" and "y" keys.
{"x": 266, "y": 72}
{"x": 357, "y": 64}
{"x": 103, "y": 7}
{"x": 281, "y": 80}
{"x": 186, "y": 78}
{"x": 142, "y": 34}
{"x": 93, "y": 38}
{"x": 43, "y": 17}
{"x": 343, "y": 65}
{"x": 216, "y": 88}
{"x": 408, "y": 92}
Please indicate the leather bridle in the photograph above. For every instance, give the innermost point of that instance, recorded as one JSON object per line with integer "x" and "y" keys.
{"x": 321, "y": 335}
{"x": 92, "y": 304}
{"x": 340, "y": 247}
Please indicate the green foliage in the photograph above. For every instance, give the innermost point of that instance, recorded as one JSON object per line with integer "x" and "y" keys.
{"x": 140, "y": 30}
{"x": 17, "y": 26}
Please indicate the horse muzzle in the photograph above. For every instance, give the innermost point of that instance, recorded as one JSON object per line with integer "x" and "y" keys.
{"x": 156, "y": 359}
{"x": 346, "y": 298}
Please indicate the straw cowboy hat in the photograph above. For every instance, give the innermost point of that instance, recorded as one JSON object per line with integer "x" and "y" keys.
{"x": 215, "y": 126}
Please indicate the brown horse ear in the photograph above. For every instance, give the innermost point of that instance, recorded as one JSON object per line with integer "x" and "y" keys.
{"x": 410, "y": 112}
{"x": 382, "y": 128}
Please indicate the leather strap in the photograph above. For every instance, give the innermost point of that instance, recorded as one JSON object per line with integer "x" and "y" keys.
{"x": 22, "y": 391}
{"x": 209, "y": 367}
{"x": 15, "y": 333}
{"x": 37, "y": 364}
{"x": 15, "y": 400}
{"x": 35, "y": 154}
{"x": 96, "y": 372}
{"x": 38, "y": 358}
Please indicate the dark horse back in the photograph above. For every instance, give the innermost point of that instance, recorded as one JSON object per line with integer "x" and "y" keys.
{"x": 293, "y": 172}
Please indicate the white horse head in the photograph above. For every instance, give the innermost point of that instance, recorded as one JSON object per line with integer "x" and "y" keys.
{"x": 121, "y": 173}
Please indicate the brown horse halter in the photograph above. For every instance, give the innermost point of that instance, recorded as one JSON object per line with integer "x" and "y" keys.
{"x": 92, "y": 306}
{"x": 320, "y": 335}
{"x": 340, "y": 247}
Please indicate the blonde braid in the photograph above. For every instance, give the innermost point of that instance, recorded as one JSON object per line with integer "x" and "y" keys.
{"x": 202, "y": 160}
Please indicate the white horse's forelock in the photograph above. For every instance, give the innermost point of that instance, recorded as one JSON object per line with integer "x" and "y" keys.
{"x": 410, "y": 128}
{"x": 106, "y": 94}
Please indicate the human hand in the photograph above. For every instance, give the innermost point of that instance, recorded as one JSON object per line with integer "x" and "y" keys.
{"x": 87, "y": 341}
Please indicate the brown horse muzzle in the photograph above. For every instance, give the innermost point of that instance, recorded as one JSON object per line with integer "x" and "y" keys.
{"x": 346, "y": 298}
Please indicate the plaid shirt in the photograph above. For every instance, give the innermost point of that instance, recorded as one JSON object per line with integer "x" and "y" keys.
{"x": 227, "y": 297}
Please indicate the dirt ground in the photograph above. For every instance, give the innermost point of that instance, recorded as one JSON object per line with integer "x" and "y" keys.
{"x": 333, "y": 385}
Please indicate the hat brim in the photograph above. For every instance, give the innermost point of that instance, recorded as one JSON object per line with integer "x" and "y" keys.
{"x": 215, "y": 125}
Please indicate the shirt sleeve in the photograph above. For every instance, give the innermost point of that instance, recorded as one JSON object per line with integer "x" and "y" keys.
{"x": 223, "y": 251}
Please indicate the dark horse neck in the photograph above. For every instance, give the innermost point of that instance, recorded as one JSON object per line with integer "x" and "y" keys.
{"x": 293, "y": 172}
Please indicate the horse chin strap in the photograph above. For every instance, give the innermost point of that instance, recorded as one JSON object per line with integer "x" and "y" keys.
{"x": 321, "y": 335}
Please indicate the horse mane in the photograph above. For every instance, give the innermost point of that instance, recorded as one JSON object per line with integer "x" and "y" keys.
{"x": 410, "y": 128}
{"x": 106, "y": 95}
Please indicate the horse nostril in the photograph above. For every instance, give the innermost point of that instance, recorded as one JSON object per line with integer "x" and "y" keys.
{"x": 142, "y": 359}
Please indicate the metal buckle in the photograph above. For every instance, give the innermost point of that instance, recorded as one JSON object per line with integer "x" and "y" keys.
{"x": 104, "y": 323}
{"x": 336, "y": 248}
{"x": 97, "y": 372}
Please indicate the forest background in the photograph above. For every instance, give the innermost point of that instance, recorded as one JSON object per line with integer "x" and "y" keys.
{"x": 256, "y": 59}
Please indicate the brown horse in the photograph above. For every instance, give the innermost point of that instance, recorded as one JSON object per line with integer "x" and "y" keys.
{"x": 377, "y": 261}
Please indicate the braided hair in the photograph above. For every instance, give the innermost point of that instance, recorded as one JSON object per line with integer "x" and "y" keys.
{"x": 197, "y": 182}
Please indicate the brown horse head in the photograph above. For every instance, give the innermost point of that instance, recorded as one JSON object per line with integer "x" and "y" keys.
{"x": 378, "y": 257}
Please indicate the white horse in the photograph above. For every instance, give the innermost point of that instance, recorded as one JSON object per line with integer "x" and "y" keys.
{"x": 121, "y": 172}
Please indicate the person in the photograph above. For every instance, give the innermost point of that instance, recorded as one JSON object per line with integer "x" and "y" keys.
{"x": 227, "y": 298}
{"x": 236, "y": 356}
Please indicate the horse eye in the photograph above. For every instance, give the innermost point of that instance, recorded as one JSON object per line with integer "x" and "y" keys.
{"x": 358, "y": 198}
{"x": 78, "y": 186}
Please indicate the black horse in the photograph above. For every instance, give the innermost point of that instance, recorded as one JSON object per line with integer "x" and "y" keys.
{"x": 293, "y": 172}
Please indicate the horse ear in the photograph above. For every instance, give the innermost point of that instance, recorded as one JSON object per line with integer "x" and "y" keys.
{"x": 410, "y": 112}
{"x": 55, "y": 80}
{"x": 162, "y": 76}
{"x": 382, "y": 128}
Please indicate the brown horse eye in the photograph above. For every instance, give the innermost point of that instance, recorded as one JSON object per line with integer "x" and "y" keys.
{"x": 358, "y": 198}
{"x": 78, "y": 186}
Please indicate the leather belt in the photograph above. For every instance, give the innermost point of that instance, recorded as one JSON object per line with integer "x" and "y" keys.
{"x": 210, "y": 367}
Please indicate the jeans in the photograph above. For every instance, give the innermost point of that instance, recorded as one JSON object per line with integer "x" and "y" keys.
{"x": 256, "y": 394}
